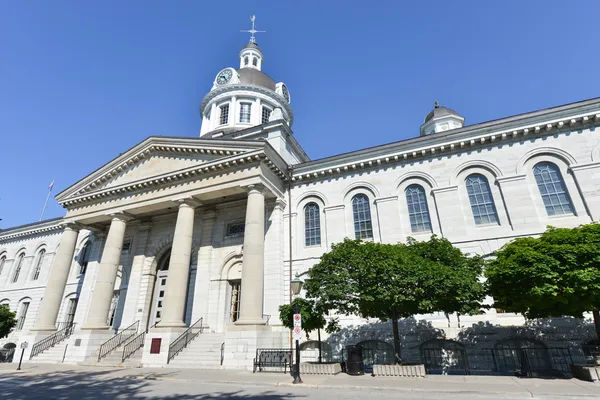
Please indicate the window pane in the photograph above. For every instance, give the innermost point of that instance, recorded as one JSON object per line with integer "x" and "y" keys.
{"x": 312, "y": 225}
{"x": 482, "y": 202}
{"x": 552, "y": 189}
{"x": 224, "y": 118}
{"x": 245, "y": 112}
{"x": 2, "y": 261}
{"x": 418, "y": 211}
{"x": 361, "y": 212}
{"x": 266, "y": 113}
{"x": 18, "y": 269}
{"x": 38, "y": 265}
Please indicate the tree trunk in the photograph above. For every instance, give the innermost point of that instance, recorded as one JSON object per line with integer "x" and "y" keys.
{"x": 596, "y": 315}
{"x": 319, "y": 338}
{"x": 396, "y": 340}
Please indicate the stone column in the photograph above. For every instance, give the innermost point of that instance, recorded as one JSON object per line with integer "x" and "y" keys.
{"x": 179, "y": 267}
{"x": 107, "y": 274}
{"x": 253, "y": 269}
{"x": 57, "y": 279}
{"x": 204, "y": 271}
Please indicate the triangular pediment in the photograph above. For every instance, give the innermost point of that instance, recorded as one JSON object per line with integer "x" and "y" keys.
{"x": 157, "y": 157}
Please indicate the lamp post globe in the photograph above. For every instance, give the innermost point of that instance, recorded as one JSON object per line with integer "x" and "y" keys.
{"x": 296, "y": 285}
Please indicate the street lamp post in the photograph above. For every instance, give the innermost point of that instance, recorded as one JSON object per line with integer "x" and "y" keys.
{"x": 296, "y": 285}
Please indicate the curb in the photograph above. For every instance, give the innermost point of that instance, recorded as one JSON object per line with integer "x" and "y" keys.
{"x": 524, "y": 394}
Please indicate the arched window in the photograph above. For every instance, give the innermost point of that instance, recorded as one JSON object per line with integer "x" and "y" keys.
{"x": 38, "y": 265}
{"x": 2, "y": 262}
{"x": 312, "y": 225}
{"x": 84, "y": 258}
{"x": 255, "y": 61}
{"x": 482, "y": 202}
{"x": 418, "y": 211}
{"x": 553, "y": 189}
{"x": 246, "y": 60}
{"x": 18, "y": 269}
{"x": 361, "y": 211}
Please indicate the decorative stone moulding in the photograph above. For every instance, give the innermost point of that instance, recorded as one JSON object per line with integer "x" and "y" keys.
{"x": 320, "y": 369}
{"x": 590, "y": 373}
{"x": 409, "y": 371}
{"x": 451, "y": 145}
{"x": 207, "y": 168}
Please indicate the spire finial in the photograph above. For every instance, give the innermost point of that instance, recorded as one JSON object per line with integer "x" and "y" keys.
{"x": 436, "y": 104}
{"x": 253, "y": 30}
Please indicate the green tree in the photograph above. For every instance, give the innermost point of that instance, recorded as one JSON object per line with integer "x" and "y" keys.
{"x": 391, "y": 281}
{"x": 554, "y": 275}
{"x": 7, "y": 321}
{"x": 312, "y": 317}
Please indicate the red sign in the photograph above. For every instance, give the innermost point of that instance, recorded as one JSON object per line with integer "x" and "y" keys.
{"x": 155, "y": 346}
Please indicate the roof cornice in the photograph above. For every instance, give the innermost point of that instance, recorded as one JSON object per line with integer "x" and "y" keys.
{"x": 539, "y": 123}
{"x": 31, "y": 229}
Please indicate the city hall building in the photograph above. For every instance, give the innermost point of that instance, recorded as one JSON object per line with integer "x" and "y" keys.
{"x": 205, "y": 233}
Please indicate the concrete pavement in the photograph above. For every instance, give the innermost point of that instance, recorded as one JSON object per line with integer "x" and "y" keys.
{"x": 146, "y": 382}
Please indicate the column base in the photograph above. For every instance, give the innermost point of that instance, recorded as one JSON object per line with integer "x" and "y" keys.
{"x": 166, "y": 336}
{"x": 171, "y": 324}
{"x": 49, "y": 328}
{"x": 242, "y": 322}
{"x": 95, "y": 328}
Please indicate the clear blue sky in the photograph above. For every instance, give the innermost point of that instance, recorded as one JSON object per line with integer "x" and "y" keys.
{"x": 83, "y": 81}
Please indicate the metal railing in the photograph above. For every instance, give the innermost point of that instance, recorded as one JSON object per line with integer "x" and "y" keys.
{"x": 134, "y": 344}
{"x": 51, "y": 340}
{"x": 186, "y": 337}
{"x": 117, "y": 340}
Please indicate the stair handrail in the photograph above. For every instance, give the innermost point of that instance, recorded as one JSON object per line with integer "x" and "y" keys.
{"x": 184, "y": 339}
{"x": 51, "y": 340}
{"x": 135, "y": 344}
{"x": 118, "y": 339}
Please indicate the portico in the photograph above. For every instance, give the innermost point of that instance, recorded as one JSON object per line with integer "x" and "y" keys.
{"x": 178, "y": 211}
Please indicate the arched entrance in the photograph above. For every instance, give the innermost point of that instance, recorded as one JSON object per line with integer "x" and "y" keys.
{"x": 523, "y": 356}
{"x": 160, "y": 287}
{"x": 376, "y": 352}
{"x": 445, "y": 357}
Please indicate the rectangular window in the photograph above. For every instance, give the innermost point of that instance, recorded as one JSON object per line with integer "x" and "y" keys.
{"x": 71, "y": 308}
{"x": 126, "y": 246}
{"x": 235, "y": 229}
{"x": 224, "y": 118}
{"x": 266, "y": 114}
{"x": 245, "y": 112}
{"x": 236, "y": 287}
{"x": 22, "y": 315}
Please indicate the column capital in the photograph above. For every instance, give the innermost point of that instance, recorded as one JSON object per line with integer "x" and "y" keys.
{"x": 121, "y": 216}
{"x": 189, "y": 202}
{"x": 71, "y": 225}
{"x": 280, "y": 204}
{"x": 256, "y": 188}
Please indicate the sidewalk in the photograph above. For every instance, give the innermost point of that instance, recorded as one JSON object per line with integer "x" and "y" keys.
{"x": 483, "y": 385}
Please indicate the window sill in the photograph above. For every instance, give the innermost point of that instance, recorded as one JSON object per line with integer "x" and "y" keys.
{"x": 313, "y": 246}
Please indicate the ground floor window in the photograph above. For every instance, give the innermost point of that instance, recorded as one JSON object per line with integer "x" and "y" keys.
{"x": 22, "y": 315}
{"x": 71, "y": 308}
{"x": 113, "y": 308}
{"x": 236, "y": 287}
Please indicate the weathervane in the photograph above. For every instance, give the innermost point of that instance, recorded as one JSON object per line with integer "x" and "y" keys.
{"x": 253, "y": 31}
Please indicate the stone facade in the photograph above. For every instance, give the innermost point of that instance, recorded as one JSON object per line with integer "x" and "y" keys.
{"x": 174, "y": 230}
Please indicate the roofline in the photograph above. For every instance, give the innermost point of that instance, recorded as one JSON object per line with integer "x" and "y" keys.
{"x": 469, "y": 129}
{"x": 48, "y": 224}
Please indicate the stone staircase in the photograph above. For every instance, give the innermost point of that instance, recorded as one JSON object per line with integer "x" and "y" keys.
{"x": 203, "y": 352}
{"x": 114, "y": 359}
{"x": 53, "y": 355}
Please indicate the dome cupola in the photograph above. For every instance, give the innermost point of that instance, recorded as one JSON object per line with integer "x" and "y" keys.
{"x": 244, "y": 97}
{"x": 441, "y": 119}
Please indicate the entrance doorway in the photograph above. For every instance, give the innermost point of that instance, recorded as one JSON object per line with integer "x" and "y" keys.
{"x": 160, "y": 287}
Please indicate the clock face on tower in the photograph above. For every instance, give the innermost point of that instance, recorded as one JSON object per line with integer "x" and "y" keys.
{"x": 224, "y": 76}
{"x": 285, "y": 92}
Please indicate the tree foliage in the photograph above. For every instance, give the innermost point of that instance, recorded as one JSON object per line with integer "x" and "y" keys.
{"x": 393, "y": 281}
{"x": 7, "y": 321}
{"x": 554, "y": 275}
{"x": 312, "y": 319}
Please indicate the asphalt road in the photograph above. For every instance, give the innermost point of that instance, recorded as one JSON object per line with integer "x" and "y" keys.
{"x": 73, "y": 387}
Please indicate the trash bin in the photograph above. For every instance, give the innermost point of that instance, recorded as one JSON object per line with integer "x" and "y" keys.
{"x": 354, "y": 363}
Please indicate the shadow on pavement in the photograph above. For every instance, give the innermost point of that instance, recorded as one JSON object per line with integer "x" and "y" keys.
{"x": 77, "y": 385}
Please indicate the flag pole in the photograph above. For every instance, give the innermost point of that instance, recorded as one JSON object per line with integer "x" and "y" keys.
{"x": 47, "y": 197}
